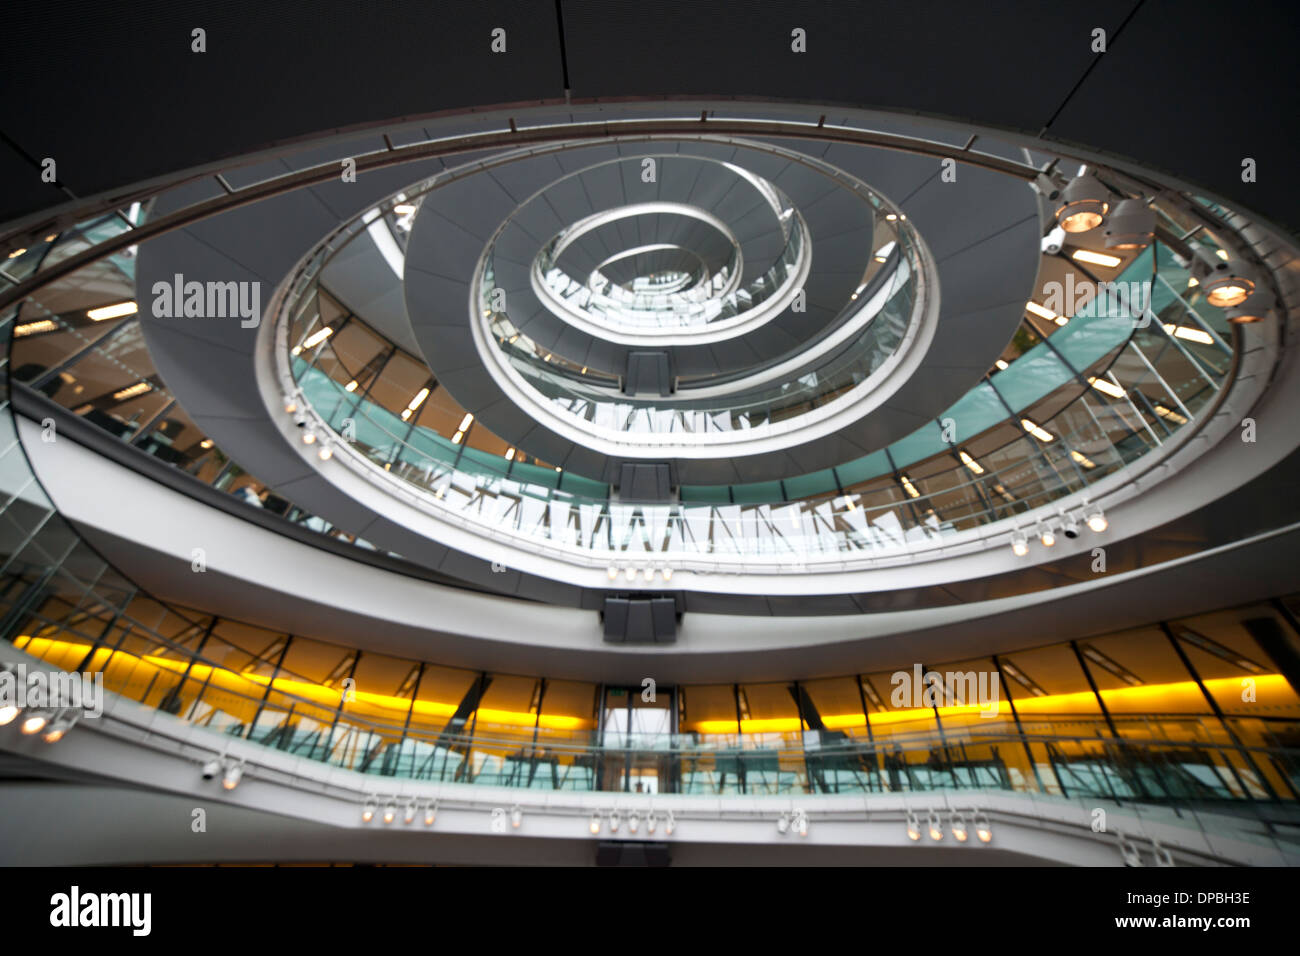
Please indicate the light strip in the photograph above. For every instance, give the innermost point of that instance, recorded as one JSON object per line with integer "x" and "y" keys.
{"x": 1106, "y": 387}
{"x": 1038, "y": 432}
{"x": 911, "y": 488}
{"x": 510, "y": 454}
{"x": 112, "y": 311}
{"x": 464, "y": 422}
{"x": 139, "y": 388}
{"x": 1170, "y": 414}
{"x": 1083, "y": 459}
{"x": 31, "y": 328}
{"x": 317, "y": 337}
{"x": 1041, "y": 312}
{"x": 1096, "y": 258}
{"x": 1198, "y": 336}
{"x": 970, "y": 463}
{"x": 420, "y": 396}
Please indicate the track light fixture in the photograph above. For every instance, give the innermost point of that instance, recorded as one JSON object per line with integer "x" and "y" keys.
{"x": 983, "y": 829}
{"x": 633, "y": 821}
{"x": 62, "y": 724}
{"x": 913, "y": 826}
{"x": 799, "y": 822}
{"x": 412, "y": 807}
{"x": 670, "y": 823}
{"x": 1084, "y": 203}
{"x": 390, "y": 812}
{"x": 957, "y": 823}
{"x": 1226, "y": 283}
{"x": 368, "y": 811}
{"x": 936, "y": 828}
{"x": 1019, "y": 545}
{"x": 1046, "y": 535}
{"x": 613, "y": 821}
{"x": 1097, "y": 520}
{"x": 7, "y": 714}
{"x": 1070, "y": 526}
{"x": 430, "y": 812}
{"x": 516, "y": 816}
{"x": 234, "y": 773}
{"x": 594, "y": 826}
{"x": 783, "y": 824}
{"x": 1131, "y": 225}
{"x": 1255, "y": 308}
{"x": 34, "y": 723}
{"x": 651, "y": 821}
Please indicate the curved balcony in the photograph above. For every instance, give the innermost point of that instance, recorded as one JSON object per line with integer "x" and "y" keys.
{"x": 1081, "y": 398}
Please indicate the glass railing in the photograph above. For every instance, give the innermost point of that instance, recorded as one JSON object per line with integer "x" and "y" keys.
{"x": 1178, "y": 760}
{"x": 701, "y": 306}
{"x": 1110, "y": 385}
{"x": 886, "y": 303}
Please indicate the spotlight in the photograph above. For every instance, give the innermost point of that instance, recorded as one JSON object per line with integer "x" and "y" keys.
{"x": 1071, "y": 527}
{"x": 1019, "y": 545}
{"x": 983, "y": 830}
{"x": 1097, "y": 521}
{"x": 651, "y": 821}
{"x": 1131, "y": 226}
{"x": 62, "y": 724}
{"x": 631, "y": 574}
{"x": 957, "y": 824}
{"x": 913, "y": 827}
{"x": 613, "y": 821}
{"x": 308, "y": 437}
{"x": 390, "y": 812}
{"x": 667, "y": 572}
{"x": 800, "y": 823}
{"x": 7, "y": 714}
{"x": 290, "y": 406}
{"x": 212, "y": 768}
{"x": 430, "y": 812}
{"x": 613, "y": 573}
{"x": 1083, "y": 204}
{"x": 1255, "y": 308}
{"x": 633, "y": 821}
{"x": 411, "y": 809}
{"x": 516, "y": 816}
{"x": 670, "y": 824}
{"x": 368, "y": 811}
{"x": 1226, "y": 284}
{"x": 649, "y": 574}
{"x": 325, "y": 453}
{"x": 34, "y": 724}
{"x": 936, "y": 829}
{"x": 1046, "y": 536}
{"x": 595, "y": 823}
{"x": 234, "y": 773}
{"x": 783, "y": 824}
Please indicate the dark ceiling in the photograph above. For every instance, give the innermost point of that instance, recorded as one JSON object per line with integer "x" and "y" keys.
{"x": 114, "y": 94}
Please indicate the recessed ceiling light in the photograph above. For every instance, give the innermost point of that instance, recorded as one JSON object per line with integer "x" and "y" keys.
{"x": 1041, "y": 311}
{"x": 1038, "y": 432}
{"x": 317, "y": 337}
{"x": 112, "y": 311}
{"x": 1199, "y": 336}
{"x": 970, "y": 463}
{"x": 1096, "y": 258}
{"x": 1106, "y": 387}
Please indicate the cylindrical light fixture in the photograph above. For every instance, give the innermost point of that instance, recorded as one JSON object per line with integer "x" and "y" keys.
{"x": 1019, "y": 545}
{"x": 1131, "y": 225}
{"x": 1084, "y": 203}
{"x": 1097, "y": 521}
{"x": 1255, "y": 308}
